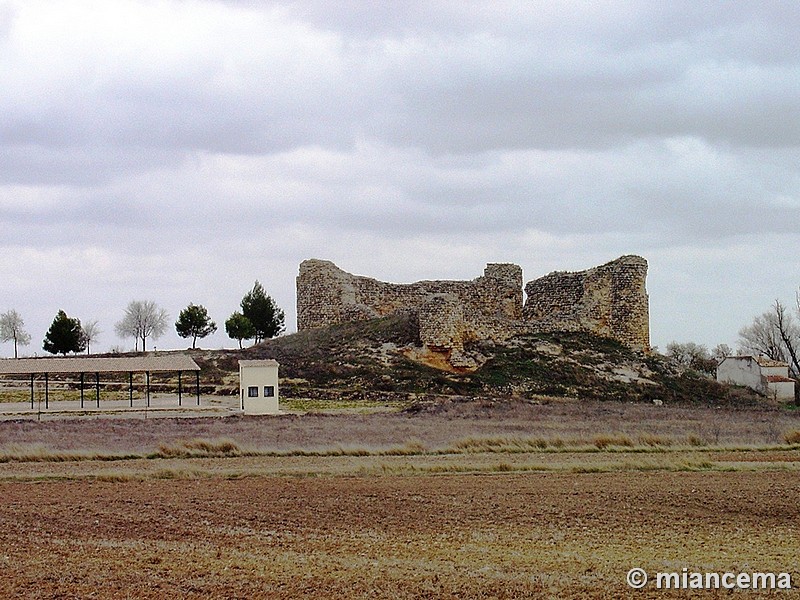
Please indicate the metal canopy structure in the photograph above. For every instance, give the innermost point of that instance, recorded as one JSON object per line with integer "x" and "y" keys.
{"x": 127, "y": 364}
{"x": 97, "y": 365}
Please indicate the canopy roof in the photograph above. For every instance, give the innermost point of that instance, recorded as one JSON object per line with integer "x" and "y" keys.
{"x": 127, "y": 364}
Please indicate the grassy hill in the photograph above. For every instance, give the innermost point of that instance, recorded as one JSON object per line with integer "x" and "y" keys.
{"x": 374, "y": 361}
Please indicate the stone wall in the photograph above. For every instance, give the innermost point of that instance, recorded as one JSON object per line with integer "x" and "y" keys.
{"x": 609, "y": 300}
{"x": 451, "y": 312}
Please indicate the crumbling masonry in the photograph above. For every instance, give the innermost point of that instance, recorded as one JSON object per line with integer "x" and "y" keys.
{"x": 609, "y": 300}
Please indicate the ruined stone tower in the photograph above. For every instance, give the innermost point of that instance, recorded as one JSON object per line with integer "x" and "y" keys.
{"x": 610, "y": 300}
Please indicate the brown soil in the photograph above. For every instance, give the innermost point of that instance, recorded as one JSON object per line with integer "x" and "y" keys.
{"x": 505, "y": 535}
{"x": 376, "y": 525}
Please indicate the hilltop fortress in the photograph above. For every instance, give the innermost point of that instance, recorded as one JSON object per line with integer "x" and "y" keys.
{"x": 609, "y": 300}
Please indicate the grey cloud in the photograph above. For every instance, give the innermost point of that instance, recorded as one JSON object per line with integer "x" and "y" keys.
{"x": 486, "y": 88}
{"x": 594, "y": 106}
{"x": 219, "y": 140}
{"x": 80, "y": 165}
{"x": 677, "y": 190}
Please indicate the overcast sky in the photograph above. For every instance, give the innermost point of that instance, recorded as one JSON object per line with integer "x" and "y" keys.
{"x": 177, "y": 151}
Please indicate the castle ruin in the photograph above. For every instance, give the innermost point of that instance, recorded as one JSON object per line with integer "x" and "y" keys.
{"x": 609, "y": 300}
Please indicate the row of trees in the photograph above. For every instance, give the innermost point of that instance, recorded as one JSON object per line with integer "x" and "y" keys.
{"x": 63, "y": 333}
{"x": 697, "y": 356}
{"x": 260, "y": 318}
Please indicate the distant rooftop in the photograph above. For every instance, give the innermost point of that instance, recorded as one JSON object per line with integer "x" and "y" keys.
{"x": 74, "y": 364}
{"x": 768, "y": 362}
{"x": 762, "y": 361}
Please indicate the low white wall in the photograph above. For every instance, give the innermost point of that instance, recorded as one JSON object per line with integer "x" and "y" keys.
{"x": 779, "y": 371}
{"x": 741, "y": 371}
{"x": 782, "y": 390}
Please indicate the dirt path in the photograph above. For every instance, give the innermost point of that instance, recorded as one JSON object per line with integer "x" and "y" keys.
{"x": 555, "y": 535}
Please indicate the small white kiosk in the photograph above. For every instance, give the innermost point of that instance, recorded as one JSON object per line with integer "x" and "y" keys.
{"x": 258, "y": 386}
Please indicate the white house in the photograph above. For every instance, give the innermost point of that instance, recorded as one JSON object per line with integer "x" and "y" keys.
{"x": 258, "y": 386}
{"x": 769, "y": 377}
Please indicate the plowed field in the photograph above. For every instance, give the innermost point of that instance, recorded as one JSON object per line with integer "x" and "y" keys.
{"x": 504, "y": 535}
{"x": 475, "y": 500}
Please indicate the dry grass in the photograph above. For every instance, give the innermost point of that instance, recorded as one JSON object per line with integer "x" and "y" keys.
{"x": 198, "y": 447}
{"x": 41, "y": 453}
{"x": 61, "y": 393}
{"x": 510, "y": 445}
{"x": 357, "y": 406}
{"x": 792, "y": 437}
{"x": 341, "y": 462}
{"x": 550, "y": 422}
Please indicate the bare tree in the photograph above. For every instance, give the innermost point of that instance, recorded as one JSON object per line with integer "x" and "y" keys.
{"x": 90, "y": 333}
{"x": 776, "y": 335}
{"x": 143, "y": 319}
{"x": 692, "y": 355}
{"x": 762, "y": 337}
{"x": 126, "y": 329}
{"x": 12, "y": 327}
{"x": 721, "y": 352}
{"x": 789, "y": 333}
{"x": 685, "y": 353}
